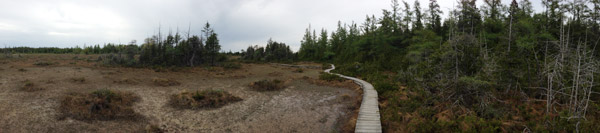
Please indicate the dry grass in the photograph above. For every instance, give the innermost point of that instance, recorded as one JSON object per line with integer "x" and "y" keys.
{"x": 29, "y": 86}
{"x": 101, "y": 104}
{"x": 202, "y": 99}
{"x": 165, "y": 82}
{"x": 267, "y": 85}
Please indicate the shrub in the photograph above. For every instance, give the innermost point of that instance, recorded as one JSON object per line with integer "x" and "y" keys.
{"x": 101, "y": 104}
{"x": 165, "y": 82}
{"x": 326, "y": 66}
{"x": 202, "y": 99}
{"x": 78, "y": 79}
{"x": 383, "y": 86}
{"x": 231, "y": 65}
{"x": 299, "y": 70}
{"x": 154, "y": 129}
{"x": 29, "y": 86}
{"x": 267, "y": 85}
{"x": 43, "y": 63}
{"x": 330, "y": 77}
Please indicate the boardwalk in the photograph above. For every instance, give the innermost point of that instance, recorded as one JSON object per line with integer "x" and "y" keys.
{"x": 368, "y": 115}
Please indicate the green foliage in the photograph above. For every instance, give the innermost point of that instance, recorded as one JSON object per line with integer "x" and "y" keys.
{"x": 231, "y": 65}
{"x": 274, "y": 52}
{"x": 330, "y": 77}
{"x": 383, "y": 87}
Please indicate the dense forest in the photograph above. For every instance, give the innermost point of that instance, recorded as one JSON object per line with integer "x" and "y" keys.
{"x": 494, "y": 68}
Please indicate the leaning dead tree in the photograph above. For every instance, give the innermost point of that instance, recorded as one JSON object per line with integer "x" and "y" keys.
{"x": 570, "y": 78}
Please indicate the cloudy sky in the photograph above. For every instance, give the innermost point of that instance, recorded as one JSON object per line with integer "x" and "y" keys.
{"x": 239, "y": 23}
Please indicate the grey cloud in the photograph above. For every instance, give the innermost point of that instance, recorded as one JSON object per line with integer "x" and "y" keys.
{"x": 239, "y": 23}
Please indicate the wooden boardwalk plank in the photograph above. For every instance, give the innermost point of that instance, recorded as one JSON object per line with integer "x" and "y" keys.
{"x": 368, "y": 115}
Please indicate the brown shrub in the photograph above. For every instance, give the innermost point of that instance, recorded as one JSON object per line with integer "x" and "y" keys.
{"x": 42, "y": 63}
{"x": 78, "y": 79}
{"x": 29, "y": 86}
{"x": 101, "y": 104}
{"x": 298, "y": 70}
{"x": 126, "y": 81}
{"x": 202, "y": 99}
{"x": 275, "y": 74}
{"x": 267, "y": 85}
{"x": 154, "y": 129}
{"x": 165, "y": 82}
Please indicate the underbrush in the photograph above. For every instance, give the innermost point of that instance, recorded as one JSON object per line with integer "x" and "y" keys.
{"x": 78, "y": 79}
{"x": 267, "y": 85}
{"x": 330, "y": 77}
{"x": 43, "y": 63}
{"x": 29, "y": 86}
{"x": 165, "y": 82}
{"x": 298, "y": 70}
{"x": 202, "y": 99}
{"x": 231, "y": 65}
{"x": 103, "y": 104}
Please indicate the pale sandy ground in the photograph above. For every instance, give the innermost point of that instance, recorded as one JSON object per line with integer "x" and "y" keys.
{"x": 301, "y": 107}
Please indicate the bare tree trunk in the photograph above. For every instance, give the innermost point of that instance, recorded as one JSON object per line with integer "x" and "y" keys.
{"x": 510, "y": 32}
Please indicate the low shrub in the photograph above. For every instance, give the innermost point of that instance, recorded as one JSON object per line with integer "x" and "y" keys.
{"x": 29, "y": 86}
{"x": 22, "y": 69}
{"x": 231, "y": 65}
{"x": 383, "y": 87}
{"x": 126, "y": 81}
{"x": 267, "y": 85}
{"x": 299, "y": 70}
{"x": 103, "y": 104}
{"x": 42, "y": 63}
{"x": 78, "y": 79}
{"x": 330, "y": 77}
{"x": 326, "y": 66}
{"x": 165, "y": 82}
{"x": 202, "y": 99}
{"x": 154, "y": 129}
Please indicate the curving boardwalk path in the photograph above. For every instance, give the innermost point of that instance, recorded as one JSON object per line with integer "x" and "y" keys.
{"x": 368, "y": 114}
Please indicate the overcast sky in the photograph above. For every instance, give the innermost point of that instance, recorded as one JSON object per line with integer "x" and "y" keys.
{"x": 239, "y": 23}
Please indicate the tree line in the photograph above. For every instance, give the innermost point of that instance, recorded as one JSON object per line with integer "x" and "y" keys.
{"x": 158, "y": 50}
{"x": 273, "y": 52}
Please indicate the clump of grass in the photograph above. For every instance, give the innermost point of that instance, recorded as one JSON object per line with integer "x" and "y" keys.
{"x": 267, "y": 85}
{"x": 29, "y": 86}
{"x": 103, "y": 104}
{"x": 325, "y": 66}
{"x": 154, "y": 129}
{"x": 299, "y": 70}
{"x": 126, "y": 81}
{"x": 78, "y": 79}
{"x": 22, "y": 69}
{"x": 43, "y": 63}
{"x": 231, "y": 65}
{"x": 165, "y": 82}
{"x": 202, "y": 99}
{"x": 330, "y": 77}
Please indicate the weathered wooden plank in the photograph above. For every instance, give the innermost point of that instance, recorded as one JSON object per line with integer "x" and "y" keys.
{"x": 368, "y": 115}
